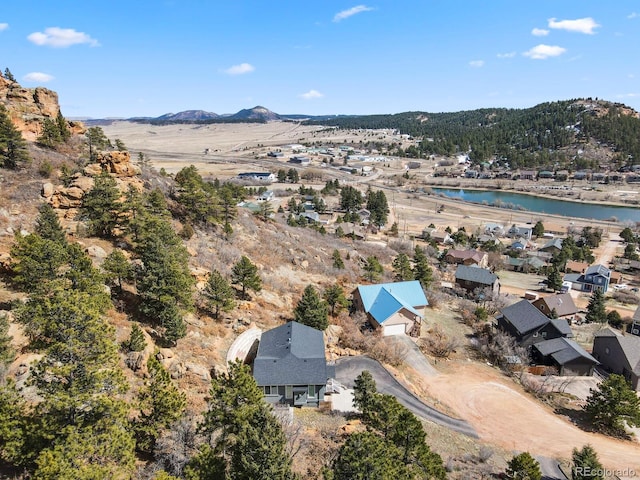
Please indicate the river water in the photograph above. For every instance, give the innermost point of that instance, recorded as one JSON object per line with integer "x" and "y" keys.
{"x": 520, "y": 201}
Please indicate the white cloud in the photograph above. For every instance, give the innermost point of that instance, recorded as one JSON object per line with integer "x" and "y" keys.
{"x": 311, "y": 94}
{"x": 38, "y": 77}
{"x": 476, "y": 63}
{"x": 541, "y": 52}
{"x": 506, "y": 55}
{"x": 579, "y": 25}
{"x": 350, "y": 12}
{"x": 61, "y": 38}
{"x": 539, "y": 32}
{"x": 240, "y": 69}
{"x": 633, "y": 15}
{"x": 3, "y": 26}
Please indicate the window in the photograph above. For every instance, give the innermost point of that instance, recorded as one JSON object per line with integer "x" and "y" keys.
{"x": 288, "y": 392}
{"x": 312, "y": 390}
{"x": 271, "y": 390}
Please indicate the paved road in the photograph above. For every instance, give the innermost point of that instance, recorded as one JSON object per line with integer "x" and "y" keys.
{"x": 348, "y": 368}
{"x": 550, "y": 469}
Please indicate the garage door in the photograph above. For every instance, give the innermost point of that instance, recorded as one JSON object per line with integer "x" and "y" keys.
{"x": 393, "y": 330}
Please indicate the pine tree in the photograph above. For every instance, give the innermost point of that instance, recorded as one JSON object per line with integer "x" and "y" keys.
{"x": 612, "y": 405}
{"x": 596, "y": 311}
{"x": 48, "y": 225}
{"x": 421, "y": 269}
{"x": 117, "y": 268}
{"x": 136, "y": 341}
{"x": 218, "y": 294}
{"x": 364, "y": 390}
{"x": 8, "y": 75}
{"x": 63, "y": 127}
{"x": 335, "y": 298}
{"x": 586, "y": 465}
{"x": 311, "y": 310}
{"x": 522, "y": 467}
{"x": 538, "y": 229}
{"x": 101, "y": 206}
{"x": 338, "y": 263}
{"x": 554, "y": 279}
{"x": 161, "y": 404}
{"x": 402, "y": 268}
{"x": 13, "y": 148}
{"x": 50, "y": 134}
{"x": 120, "y": 146}
{"x": 36, "y": 262}
{"x": 245, "y": 274}
{"x": 373, "y": 270}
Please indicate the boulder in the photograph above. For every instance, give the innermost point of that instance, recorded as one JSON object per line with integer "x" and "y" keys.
{"x": 47, "y": 189}
{"x": 96, "y": 252}
{"x": 199, "y": 370}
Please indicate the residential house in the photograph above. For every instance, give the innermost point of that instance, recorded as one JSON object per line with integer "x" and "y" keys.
{"x": 545, "y": 174}
{"x": 552, "y": 246}
{"x": 258, "y": 176}
{"x": 467, "y": 257}
{"x": 580, "y": 175}
{"x": 290, "y": 366}
{"x": 616, "y": 278}
{"x": 634, "y": 327}
{"x": 595, "y": 277}
{"x": 527, "y": 175}
{"x": 525, "y": 265}
{"x": 395, "y": 308}
{"x": 438, "y": 236}
{"x": 472, "y": 278}
{"x": 527, "y": 325}
{"x": 575, "y": 267}
{"x": 562, "y": 304}
{"x": 619, "y": 354}
{"x": 266, "y": 196}
{"x": 564, "y": 354}
{"x": 524, "y": 232}
{"x": 520, "y": 244}
{"x": 302, "y": 161}
{"x": 554, "y": 228}
{"x": 494, "y": 229}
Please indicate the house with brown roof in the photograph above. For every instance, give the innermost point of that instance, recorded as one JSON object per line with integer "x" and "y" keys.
{"x": 619, "y": 354}
{"x": 467, "y": 257}
{"x": 562, "y": 304}
{"x": 575, "y": 267}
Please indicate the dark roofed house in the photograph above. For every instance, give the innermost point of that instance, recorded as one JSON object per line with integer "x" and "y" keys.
{"x": 471, "y": 278}
{"x": 566, "y": 355}
{"x": 619, "y": 354}
{"x": 554, "y": 245}
{"x": 562, "y": 303}
{"x": 527, "y": 325}
{"x": 290, "y": 365}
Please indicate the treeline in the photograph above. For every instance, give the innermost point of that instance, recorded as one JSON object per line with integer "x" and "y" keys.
{"x": 522, "y": 137}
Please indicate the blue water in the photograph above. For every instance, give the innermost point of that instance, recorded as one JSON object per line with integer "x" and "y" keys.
{"x": 544, "y": 205}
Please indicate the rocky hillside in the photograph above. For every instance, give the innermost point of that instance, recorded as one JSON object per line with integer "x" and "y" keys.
{"x": 27, "y": 107}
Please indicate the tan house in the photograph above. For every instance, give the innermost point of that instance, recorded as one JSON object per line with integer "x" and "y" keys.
{"x": 562, "y": 303}
{"x": 467, "y": 257}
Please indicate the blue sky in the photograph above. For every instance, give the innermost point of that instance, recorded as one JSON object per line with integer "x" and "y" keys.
{"x": 146, "y": 58}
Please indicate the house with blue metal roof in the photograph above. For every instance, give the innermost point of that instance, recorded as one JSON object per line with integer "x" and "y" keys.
{"x": 394, "y": 308}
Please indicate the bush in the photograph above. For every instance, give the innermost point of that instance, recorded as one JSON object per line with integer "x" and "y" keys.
{"x": 45, "y": 169}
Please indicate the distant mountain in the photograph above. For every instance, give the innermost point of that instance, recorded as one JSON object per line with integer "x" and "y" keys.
{"x": 187, "y": 116}
{"x": 257, "y": 113}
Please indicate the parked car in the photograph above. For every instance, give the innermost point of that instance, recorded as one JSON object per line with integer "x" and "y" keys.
{"x": 621, "y": 286}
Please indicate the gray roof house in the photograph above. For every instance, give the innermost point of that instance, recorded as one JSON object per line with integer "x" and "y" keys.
{"x": 554, "y": 245}
{"x": 595, "y": 277}
{"x": 619, "y": 354}
{"x": 290, "y": 365}
{"x": 527, "y": 325}
{"x": 564, "y": 354}
{"x": 472, "y": 277}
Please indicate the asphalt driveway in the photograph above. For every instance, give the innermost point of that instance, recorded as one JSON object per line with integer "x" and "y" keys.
{"x": 348, "y": 368}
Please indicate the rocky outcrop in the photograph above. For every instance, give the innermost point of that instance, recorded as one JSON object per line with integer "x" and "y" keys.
{"x": 117, "y": 164}
{"x": 27, "y": 107}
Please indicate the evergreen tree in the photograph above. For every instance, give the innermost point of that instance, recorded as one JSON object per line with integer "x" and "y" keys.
{"x": 136, "y": 341}
{"x": 63, "y": 127}
{"x": 218, "y": 294}
{"x": 350, "y": 199}
{"x": 596, "y": 311}
{"x": 627, "y": 235}
{"x": 15, "y": 423}
{"x": 101, "y": 206}
{"x": 554, "y": 279}
{"x": 421, "y": 269}
{"x": 120, "y": 146}
{"x": 402, "y": 268}
{"x": 13, "y": 148}
{"x": 249, "y": 442}
{"x": 372, "y": 269}
{"x": 523, "y": 467}
{"x": 612, "y": 405}
{"x": 538, "y": 229}
{"x": 245, "y": 274}
{"x": 630, "y": 252}
{"x": 161, "y": 403}
{"x": 378, "y": 207}
{"x": 335, "y": 298}
{"x": 50, "y": 134}
{"x": 117, "y": 268}
{"x": 8, "y": 75}
{"x": 36, "y": 262}
{"x": 48, "y": 225}
{"x": 265, "y": 211}
{"x": 96, "y": 140}
{"x": 364, "y": 390}
{"x": 311, "y": 310}
{"x": 338, "y": 263}
{"x": 586, "y": 465}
